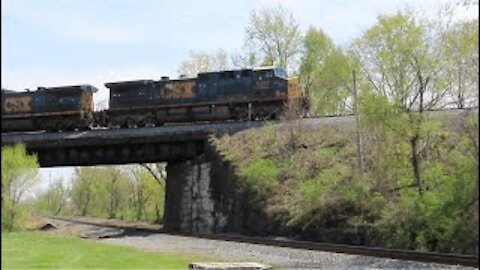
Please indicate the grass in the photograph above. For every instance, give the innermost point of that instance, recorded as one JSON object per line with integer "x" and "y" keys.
{"x": 43, "y": 250}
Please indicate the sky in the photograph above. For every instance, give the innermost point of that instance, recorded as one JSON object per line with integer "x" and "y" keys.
{"x": 66, "y": 42}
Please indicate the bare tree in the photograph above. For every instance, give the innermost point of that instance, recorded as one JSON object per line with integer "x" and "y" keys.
{"x": 114, "y": 192}
{"x": 204, "y": 62}
{"x": 82, "y": 190}
{"x": 461, "y": 63}
{"x": 275, "y": 36}
{"x": 246, "y": 58}
{"x": 157, "y": 171}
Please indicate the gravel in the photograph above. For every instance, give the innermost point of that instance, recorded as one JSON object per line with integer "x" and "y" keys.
{"x": 279, "y": 257}
{"x": 223, "y": 251}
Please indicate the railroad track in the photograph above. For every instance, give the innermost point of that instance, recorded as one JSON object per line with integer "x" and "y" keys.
{"x": 428, "y": 257}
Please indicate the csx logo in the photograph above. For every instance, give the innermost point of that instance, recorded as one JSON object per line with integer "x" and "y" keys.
{"x": 18, "y": 104}
{"x": 178, "y": 90}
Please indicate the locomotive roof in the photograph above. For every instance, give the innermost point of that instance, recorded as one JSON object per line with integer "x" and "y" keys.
{"x": 8, "y": 91}
{"x": 243, "y": 69}
{"x": 129, "y": 83}
{"x": 265, "y": 68}
{"x": 222, "y": 71}
{"x": 81, "y": 87}
{"x": 143, "y": 82}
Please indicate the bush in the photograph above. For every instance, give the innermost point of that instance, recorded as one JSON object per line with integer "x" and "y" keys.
{"x": 261, "y": 176}
{"x": 19, "y": 172}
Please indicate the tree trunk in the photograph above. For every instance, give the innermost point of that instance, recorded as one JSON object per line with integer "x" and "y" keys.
{"x": 416, "y": 163}
{"x": 361, "y": 166}
{"x": 2, "y": 190}
{"x": 87, "y": 201}
{"x": 113, "y": 198}
{"x": 416, "y": 122}
{"x": 461, "y": 101}
{"x": 157, "y": 211}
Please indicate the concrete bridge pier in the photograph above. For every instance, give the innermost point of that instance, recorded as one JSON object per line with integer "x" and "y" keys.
{"x": 201, "y": 196}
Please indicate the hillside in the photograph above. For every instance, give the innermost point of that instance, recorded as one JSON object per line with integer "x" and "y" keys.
{"x": 302, "y": 179}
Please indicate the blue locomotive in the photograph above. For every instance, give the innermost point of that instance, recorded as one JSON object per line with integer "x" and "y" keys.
{"x": 259, "y": 93}
{"x": 56, "y": 108}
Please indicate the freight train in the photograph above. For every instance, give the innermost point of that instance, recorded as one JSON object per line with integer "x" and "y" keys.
{"x": 244, "y": 94}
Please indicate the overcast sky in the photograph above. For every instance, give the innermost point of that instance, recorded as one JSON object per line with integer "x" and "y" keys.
{"x": 65, "y": 42}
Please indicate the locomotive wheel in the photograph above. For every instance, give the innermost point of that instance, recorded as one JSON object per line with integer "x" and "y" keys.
{"x": 114, "y": 126}
{"x": 59, "y": 126}
{"x": 50, "y": 126}
{"x": 140, "y": 123}
{"x": 241, "y": 113}
{"x": 115, "y": 123}
{"x": 39, "y": 124}
{"x": 129, "y": 123}
{"x": 83, "y": 128}
{"x": 159, "y": 124}
{"x": 70, "y": 125}
{"x": 149, "y": 121}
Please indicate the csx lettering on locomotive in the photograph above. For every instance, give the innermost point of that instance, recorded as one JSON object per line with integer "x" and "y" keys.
{"x": 178, "y": 90}
{"x": 18, "y": 104}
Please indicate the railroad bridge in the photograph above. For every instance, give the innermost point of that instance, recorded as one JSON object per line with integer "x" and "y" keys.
{"x": 169, "y": 143}
{"x": 200, "y": 193}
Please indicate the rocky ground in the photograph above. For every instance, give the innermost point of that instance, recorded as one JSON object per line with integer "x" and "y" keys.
{"x": 280, "y": 258}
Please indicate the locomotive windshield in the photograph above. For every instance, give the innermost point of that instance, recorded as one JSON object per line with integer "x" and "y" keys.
{"x": 269, "y": 72}
{"x": 280, "y": 72}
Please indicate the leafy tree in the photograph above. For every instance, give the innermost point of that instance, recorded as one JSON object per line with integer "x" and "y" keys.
{"x": 326, "y": 73}
{"x": 128, "y": 192}
{"x": 19, "y": 173}
{"x": 399, "y": 59}
{"x": 404, "y": 62}
{"x": 82, "y": 191}
{"x": 317, "y": 47}
{"x": 274, "y": 36}
{"x": 204, "y": 62}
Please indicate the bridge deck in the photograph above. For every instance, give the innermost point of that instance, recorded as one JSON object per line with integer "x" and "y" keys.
{"x": 167, "y": 133}
{"x": 122, "y": 146}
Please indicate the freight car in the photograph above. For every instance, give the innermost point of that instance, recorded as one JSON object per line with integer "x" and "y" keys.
{"x": 56, "y": 108}
{"x": 255, "y": 94}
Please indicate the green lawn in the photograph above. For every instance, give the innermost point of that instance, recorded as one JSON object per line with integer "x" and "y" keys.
{"x": 42, "y": 250}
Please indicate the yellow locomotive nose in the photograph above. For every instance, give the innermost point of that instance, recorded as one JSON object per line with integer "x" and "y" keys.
{"x": 293, "y": 88}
